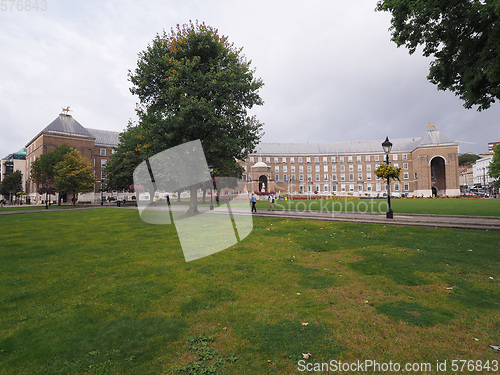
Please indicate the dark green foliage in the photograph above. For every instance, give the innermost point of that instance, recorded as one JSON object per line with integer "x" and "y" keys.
{"x": 12, "y": 184}
{"x": 463, "y": 36}
{"x": 467, "y": 159}
{"x": 494, "y": 168}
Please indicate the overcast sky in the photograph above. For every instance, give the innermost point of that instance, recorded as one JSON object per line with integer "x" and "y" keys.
{"x": 330, "y": 71}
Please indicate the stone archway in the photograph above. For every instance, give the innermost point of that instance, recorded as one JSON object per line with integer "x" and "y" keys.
{"x": 438, "y": 176}
{"x": 263, "y": 180}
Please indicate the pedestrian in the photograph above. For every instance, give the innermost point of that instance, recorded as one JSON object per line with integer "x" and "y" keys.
{"x": 253, "y": 200}
{"x": 271, "y": 201}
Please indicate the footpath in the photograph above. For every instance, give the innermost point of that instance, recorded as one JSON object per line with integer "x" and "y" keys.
{"x": 491, "y": 223}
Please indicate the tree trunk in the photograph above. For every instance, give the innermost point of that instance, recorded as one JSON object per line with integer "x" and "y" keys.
{"x": 204, "y": 194}
{"x": 193, "y": 201}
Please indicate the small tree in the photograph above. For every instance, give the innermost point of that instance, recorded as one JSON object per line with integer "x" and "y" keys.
{"x": 494, "y": 168}
{"x": 74, "y": 175}
{"x": 12, "y": 184}
{"x": 467, "y": 159}
{"x": 42, "y": 170}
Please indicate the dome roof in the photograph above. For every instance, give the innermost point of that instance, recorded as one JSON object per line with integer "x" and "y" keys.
{"x": 260, "y": 164}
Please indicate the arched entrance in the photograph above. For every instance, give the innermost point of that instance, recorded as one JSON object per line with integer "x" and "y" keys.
{"x": 438, "y": 176}
{"x": 263, "y": 184}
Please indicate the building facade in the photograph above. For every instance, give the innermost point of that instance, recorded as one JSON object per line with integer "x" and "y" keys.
{"x": 11, "y": 163}
{"x": 482, "y": 179}
{"x": 95, "y": 145}
{"x": 429, "y": 167}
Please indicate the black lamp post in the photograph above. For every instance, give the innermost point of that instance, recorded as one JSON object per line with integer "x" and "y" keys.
{"x": 211, "y": 169}
{"x": 387, "y": 146}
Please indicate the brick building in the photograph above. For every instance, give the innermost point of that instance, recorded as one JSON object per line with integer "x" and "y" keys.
{"x": 429, "y": 167}
{"x": 95, "y": 145}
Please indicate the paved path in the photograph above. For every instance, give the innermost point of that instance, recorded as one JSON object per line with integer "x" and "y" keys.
{"x": 438, "y": 221}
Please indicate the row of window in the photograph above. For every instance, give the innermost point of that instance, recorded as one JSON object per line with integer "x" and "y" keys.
{"x": 333, "y": 159}
{"x": 317, "y": 168}
{"x": 353, "y": 187}
{"x": 326, "y": 177}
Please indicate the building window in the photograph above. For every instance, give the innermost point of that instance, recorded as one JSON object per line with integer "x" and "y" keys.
{"x": 407, "y": 186}
{"x": 309, "y": 169}
{"x": 334, "y": 177}
{"x": 259, "y": 159}
{"x": 341, "y": 159}
{"x": 396, "y": 186}
{"x": 292, "y": 160}
{"x": 325, "y": 159}
{"x": 276, "y": 160}
{"x": 301, "y": 168}
{"x": 309, "y": 177}
{"x": 283, "y": 160}
{"x": 342, "y": 177}
{"x": 317, "y": 177}
{"x": 334, "y": 188}
{"x": 368, "y": 187}
{"x": 351, "y": 176}
{"x": 375, "y": 158}
{"x": 325, "y": 168}
{"x": 405, "y": 165}
{"x": 367, "y": 158}
{"x": 301, "y": 177}
{"x": 368, "y": 167}
{"x": 360, "y": 167}
{"x": 406, "y": 175}
{"x": 334, "y": 168}
{"x": 300, "y": 160}
{"x": 104, "y": 162}
{"x": 325, "y": 177}
{"x": 378, "y": 187}
{"x": 316, "y": 159}
{"x": 351, "y": 187}
{"x": 103, "y": 174}
{"x": 333, "y": 161}
{"x": 396, "y": 165}
{"x": 103, "y": 152}
{"x": 277, "y": 169}
{"x": 252, "y": 159}
{"x": 342, "y": 187}
{"x": 360, "y": 188}
{"x": 351, "y": 168}
{"x": 277, "y": 177}
{"x": 405, "y": 157}
{"x": 285, "y": 177}
{"x": 360, "y": 176}
{"x": 317, "y": 168}
{"x": 244, "y": 168}
{"x": 394, "y": 156}
{"x": 292, "y": 168}
{"x": 349, "y": 159}
{"x": 285, "y": 169}
{"x": 293, "y": 177}
{"x": 358, "y": 159}
{"x": 342, "y": 168}
{"x": 308, "y": 159}
{"x": 369, "y": 176}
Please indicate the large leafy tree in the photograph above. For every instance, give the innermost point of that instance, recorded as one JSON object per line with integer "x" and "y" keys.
{"x": 467, "y": 159}
{"x": 12, "y": 184}
{"x": 74, "y": 174}
{"x": 43, "y": 169}
{"x": 494, "y": 168}
{"x": 464, "y": 38}
{"x": 193, "y": 84}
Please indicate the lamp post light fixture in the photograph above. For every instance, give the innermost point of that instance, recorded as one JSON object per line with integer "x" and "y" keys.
{"x": 387, "y": 146}
{"x": 211, "y": 169}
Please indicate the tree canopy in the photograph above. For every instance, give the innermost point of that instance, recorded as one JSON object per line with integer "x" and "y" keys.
{"x": 12, "y": 184}
{"x": 192, "y": 84}
{"x": 74, "y": 174}
{"x": 494, "y": 167}
{"x": 42, "y": 169}
{"x": 464, "y": 38}
{"x": 467, "y": 159}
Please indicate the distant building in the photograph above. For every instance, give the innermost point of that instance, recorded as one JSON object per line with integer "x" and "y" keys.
{"x": 482, "y": 179}
{"x": 466, "y": 178}
{"x": 429, "y": 167}
{"x": 492, "y": 145}
{"x": 13, "y": 162}
{"x": 95, "y": 145}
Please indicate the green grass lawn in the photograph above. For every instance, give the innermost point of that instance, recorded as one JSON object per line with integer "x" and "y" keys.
{"x": 100, "y": 292}
{"x": 458, "y": 206}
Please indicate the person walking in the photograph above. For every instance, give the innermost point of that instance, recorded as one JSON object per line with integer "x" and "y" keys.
{"x": 253, "y": 200}
{"x": 271, "y": 201}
